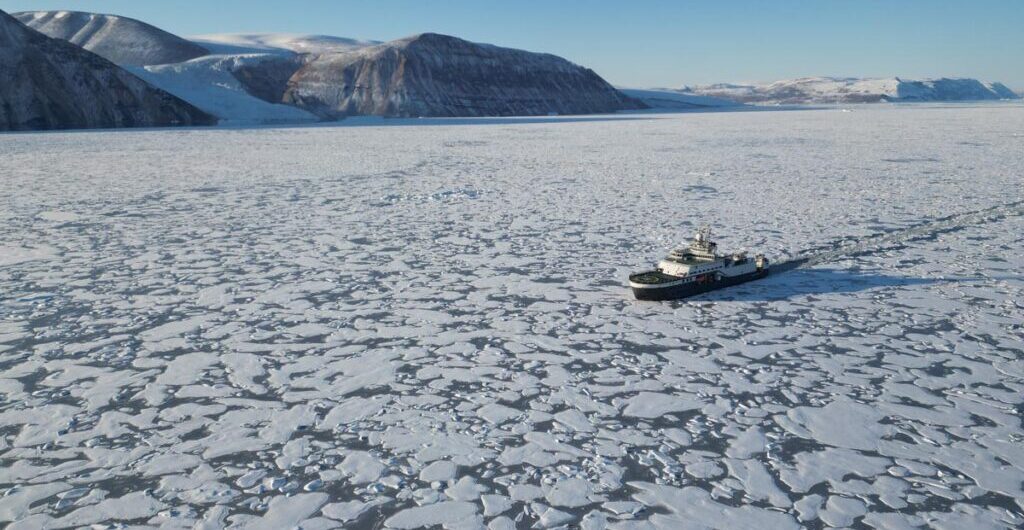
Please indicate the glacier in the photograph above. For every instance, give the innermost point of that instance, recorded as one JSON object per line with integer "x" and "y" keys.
{"x": 413, "y": 322}
{"x": 212, "y": 84}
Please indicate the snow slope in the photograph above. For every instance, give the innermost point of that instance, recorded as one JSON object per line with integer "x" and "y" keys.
{"x": 819, "y": 90}
{"x": 233, "y": 43}
{"x": 403, "y": 325}
{"x": 122, "y": 40}
{"x": 212, "y": 84}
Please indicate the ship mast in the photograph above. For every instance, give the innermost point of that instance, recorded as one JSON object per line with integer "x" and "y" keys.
{"x": 702, "y": 244}
{"x": 704, "y": 234}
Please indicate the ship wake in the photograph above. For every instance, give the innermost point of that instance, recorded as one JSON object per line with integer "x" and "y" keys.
{"x": 886, "y": 240}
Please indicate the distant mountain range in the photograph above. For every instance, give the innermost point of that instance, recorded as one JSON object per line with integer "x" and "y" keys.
{"x": 74, "y": 69}
{"x": 831, "y": 90}
{"x": 53, "y": 84}
{"x": 676, "y": 100}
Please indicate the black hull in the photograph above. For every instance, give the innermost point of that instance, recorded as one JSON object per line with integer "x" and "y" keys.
{"x": 685, "y": 290}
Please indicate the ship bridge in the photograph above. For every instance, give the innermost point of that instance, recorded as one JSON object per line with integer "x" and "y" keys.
{"x": 700, "y": 257}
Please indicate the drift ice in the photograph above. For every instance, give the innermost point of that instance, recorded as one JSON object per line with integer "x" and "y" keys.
{"x": 696, "y": 269}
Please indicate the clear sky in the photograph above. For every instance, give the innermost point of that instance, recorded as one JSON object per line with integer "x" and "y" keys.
{"x": 649, "y": 43}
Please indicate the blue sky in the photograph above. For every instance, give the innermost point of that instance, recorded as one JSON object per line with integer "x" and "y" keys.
{"x": 648, "y": 43}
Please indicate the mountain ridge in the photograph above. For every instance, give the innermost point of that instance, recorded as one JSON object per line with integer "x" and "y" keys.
{"x": 436, "y": 75}
{"x": 122, "y": 40}
{"x": 54, "y": 84}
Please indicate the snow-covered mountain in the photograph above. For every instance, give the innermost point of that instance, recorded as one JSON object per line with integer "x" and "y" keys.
{"x": 124, "y": 41}
{"x": 53, "y": 84}
{"x": 235, "y": 43}
{"x": 242, "y": 84}
{"x": 818, "y": 90}
{"x": 439, "y": 75}
{"x": 284, "y": 77}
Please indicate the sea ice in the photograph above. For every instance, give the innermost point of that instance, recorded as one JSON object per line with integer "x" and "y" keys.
{"x": 426, "y": 322}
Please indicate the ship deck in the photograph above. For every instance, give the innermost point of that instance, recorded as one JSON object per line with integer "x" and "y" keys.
{"x": 652, "y": 278}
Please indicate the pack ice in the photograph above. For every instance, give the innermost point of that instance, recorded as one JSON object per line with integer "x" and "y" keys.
{"x": 425, "y": 323}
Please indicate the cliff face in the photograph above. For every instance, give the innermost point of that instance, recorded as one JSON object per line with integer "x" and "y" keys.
{"x": 436, "y": 75}
{"x": 267, "y": 78}
{"x": 52, "y": 84}
{"x": 124, "y": 41}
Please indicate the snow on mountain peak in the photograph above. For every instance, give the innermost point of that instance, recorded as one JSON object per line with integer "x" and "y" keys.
{"x": 121, "y": 40}
{"x": 856, "y": 90}
{"x": 280, "y": 43}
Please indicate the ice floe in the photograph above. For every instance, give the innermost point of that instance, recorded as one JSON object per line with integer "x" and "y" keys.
{"x": 405, "y": 325}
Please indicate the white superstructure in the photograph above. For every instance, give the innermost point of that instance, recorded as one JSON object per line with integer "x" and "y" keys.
{"x": 700, "y": 258}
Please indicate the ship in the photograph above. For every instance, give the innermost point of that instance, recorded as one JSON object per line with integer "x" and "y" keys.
{"x": 696, "y": 269}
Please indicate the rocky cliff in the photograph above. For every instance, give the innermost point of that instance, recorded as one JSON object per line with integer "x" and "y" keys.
{"x": 438, "y": 75}
{"x": 53, "y": 84}
{"x": 122, "y": 40}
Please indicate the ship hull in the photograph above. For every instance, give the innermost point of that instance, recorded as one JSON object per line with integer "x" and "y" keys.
{"x": 685, "y": 290}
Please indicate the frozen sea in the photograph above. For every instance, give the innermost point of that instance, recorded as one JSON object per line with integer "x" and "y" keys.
{"x": 396, "y": 324}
